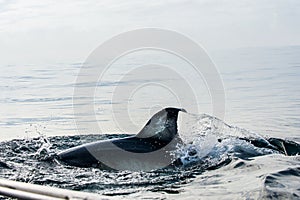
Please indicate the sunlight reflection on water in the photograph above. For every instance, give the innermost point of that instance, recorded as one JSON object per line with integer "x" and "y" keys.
{"x": 261, "y": 86}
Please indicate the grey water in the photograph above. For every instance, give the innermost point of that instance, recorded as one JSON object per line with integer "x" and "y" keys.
{"x": 262, "y": 102}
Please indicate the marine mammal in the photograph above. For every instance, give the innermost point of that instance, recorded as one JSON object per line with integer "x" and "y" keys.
{"x": 149, "y": 149}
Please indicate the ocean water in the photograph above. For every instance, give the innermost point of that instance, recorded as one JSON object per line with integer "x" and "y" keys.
{"x": 234, "y": 157}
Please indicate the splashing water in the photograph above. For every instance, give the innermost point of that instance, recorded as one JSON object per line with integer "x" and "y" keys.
{"x": 212, "y": 148}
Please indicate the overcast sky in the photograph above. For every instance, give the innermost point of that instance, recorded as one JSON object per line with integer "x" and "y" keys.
{"x": 35, "y": 31}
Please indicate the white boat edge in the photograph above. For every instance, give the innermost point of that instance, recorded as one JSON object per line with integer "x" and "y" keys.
{"x": 22, "y": 190}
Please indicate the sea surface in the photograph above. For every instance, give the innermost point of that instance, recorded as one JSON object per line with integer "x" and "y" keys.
{"x": 252, "y": 152}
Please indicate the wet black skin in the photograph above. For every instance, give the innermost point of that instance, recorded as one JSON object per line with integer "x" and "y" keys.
{"x": 81, "y": 157}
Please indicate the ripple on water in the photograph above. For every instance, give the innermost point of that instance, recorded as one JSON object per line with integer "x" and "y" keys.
{"x": 228, "y": 160}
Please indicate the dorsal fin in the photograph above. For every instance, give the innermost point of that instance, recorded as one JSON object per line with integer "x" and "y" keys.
{"x": 162, "y": 125}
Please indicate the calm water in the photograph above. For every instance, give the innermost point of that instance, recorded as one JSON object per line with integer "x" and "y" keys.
{"x": 262, "y": 95}
{"x": 261, "y": 87}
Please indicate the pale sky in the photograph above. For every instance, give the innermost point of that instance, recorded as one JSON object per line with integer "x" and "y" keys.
{"x": 34, "y": 31}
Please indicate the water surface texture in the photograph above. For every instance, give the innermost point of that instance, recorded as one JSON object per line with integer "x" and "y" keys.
{"x": 217, "y": 161}
{"x": 255, "y": 156}
{"x": 261, "y": 87}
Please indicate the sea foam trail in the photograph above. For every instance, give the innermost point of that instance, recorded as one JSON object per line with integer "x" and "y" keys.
{"x": 213, "y": 153}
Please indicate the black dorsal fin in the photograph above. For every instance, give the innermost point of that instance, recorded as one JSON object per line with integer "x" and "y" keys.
{"x": 162, "y": 125}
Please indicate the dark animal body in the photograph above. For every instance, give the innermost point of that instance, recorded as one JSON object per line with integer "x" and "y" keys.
{"x": 150, "y": 149}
